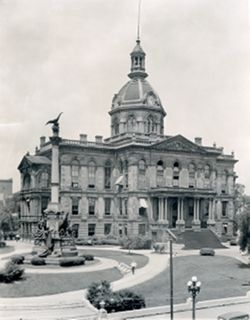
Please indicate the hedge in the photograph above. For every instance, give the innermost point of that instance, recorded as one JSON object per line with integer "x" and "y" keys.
{"x": 11, "y": 272}
{"x": 17, "y": 259}
{"x": 72, "y": 261}
{"x": 38, "y": 261}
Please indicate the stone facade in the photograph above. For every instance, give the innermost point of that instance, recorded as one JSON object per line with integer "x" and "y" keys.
{"x": 137, "y": 182}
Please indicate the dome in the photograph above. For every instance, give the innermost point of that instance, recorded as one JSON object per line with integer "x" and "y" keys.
{"x": 137, "y": 92}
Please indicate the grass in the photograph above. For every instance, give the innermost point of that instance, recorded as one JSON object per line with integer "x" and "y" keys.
{"x": 221, "y": 277}
{"x": 6, "y": 249}
{"x": 43, "y": 284}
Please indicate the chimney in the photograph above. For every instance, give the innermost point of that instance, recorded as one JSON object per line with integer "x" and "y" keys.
{"x": 198, "y": 141}
{"x": 98, "y": 139}
{"x": 42, "y": 141}
{"x": 83, "y": 137}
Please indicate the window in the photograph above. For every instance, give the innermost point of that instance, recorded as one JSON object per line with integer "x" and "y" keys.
{"x": 191, "y": 208}
{"x": 26, "y": 182}
{"x": 44, "y": 180}
{"x": 75, "y": 206}
{"x": 142, "y": 174}
{"x": 92, "y": 169}
{"x": 126, "y": 207}
{"x": 115, "y": 127}
{"x": 224, "y": 182}
{"x": 107, "y": 228}
{"x": 107, "y": 175}
{"x": 224, "y": 209}
{"x": 207, "y": 172}
{"x": 176, "y": 173}
{"x": 74, "y": 174}
{"x": 44, "y": 204}
{"x": 191, "y": 171}
{"x": 126, "y": 173}
{"x": 131, "y": 124}
{"x": 107, "y": 205}
{"x": 149, "y": 125}
{"x": 159, "y": 173}
{"x": 91, "y": 229}
{"x": 206, "y": 208}
{"x": 142, "y": 229}
{"x": 120, "y": 205}
{"x": 91, "y": 206}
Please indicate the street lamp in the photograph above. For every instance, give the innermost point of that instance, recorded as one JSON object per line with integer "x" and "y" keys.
{"x": 194, "y": 288}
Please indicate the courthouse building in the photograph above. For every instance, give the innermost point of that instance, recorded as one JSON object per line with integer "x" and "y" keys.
{"x": 138, "y": 181}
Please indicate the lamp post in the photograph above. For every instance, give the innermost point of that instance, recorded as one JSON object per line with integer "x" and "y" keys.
{"x": 194, "y": 288}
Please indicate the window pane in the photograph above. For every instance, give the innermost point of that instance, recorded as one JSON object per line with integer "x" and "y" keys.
{"x": 91, "y": 229}
{"x": 107, "y": 228}
{"x": 107, "y": 206}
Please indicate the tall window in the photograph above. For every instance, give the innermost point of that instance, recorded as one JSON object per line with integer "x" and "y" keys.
{"x": 191, "y": 172}
{"x": 75, "y": 230}
{"x": 44, "y": 204}
{"x": 75, "y": 206}
{"x": 159, "y": 174}
{"x": 142, "y": 174}
{"x": 75, "y": 173}
{"x": 224, "y": 182}
{"x": 116, "y": 126}
{"x": 149, "y": 125}
{"x": 92, "y": 170}
{"x": 131, "y": 124}
{"x": 142, "y": 229}
{"x": 176, "y": 173}
{"x": 26, "y": 182}
{"x": 91, "y": 206}
{"x": 224, "y": 209}
{"x": 120, "y": 205}
{"x": 91, "y": 229}
{"x": 125, "y": 173}
{"x": 126, "y": 207}
{"x": 207, "y": 175}
{"x": 107, "y": 206}
{"x": 107, "y": 175}
{"x": 44, "y": 180}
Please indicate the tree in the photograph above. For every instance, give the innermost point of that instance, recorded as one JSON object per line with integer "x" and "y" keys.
{"x": 244, "y": 229}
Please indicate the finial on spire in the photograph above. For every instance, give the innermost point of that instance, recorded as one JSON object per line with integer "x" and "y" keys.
{"x": 139, "y": 21}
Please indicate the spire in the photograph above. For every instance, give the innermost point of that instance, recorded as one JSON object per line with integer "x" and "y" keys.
{"x": 138, "y": 55}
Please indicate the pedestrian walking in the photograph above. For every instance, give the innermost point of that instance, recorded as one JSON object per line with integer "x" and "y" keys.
{"x": 133, "y": 266}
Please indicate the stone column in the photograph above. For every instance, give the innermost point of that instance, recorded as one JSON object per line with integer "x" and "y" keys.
{"x": 180, "y": 222}
{"x": 196, "y": 221}
{"x": 166, "y": 210}
{"x": 161, "y": 209}
{"x": 211, "y": 221}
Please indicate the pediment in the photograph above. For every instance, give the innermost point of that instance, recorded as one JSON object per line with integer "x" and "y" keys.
{"x": 179, "y": 143}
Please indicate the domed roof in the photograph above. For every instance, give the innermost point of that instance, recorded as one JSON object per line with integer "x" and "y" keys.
{"x": 137, "y": 92}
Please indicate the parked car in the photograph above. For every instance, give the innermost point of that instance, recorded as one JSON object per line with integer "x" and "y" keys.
{"x": 207, "y": 252}
{"x": 237, "y": 315}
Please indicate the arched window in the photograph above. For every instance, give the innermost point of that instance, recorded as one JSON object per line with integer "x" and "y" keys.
{"x": 191, "y": 172}
{"x": 149, "y": 125}
{"x": 176, "y": 174}
{"x": 75, "y": 173}
{"x": 107, "y": 175}
{"x": 26, "y": 181}
{"x": 131, "y": 124}
{"x": 159, "y": 173}
{"x": 44, "y": 180}
{"x": 207, "y": 172}
{"x": 92, "y": 170}
{"x": 142, "y": 174}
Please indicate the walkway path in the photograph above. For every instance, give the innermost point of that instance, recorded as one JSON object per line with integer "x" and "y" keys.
{"x": 72, "y": 305}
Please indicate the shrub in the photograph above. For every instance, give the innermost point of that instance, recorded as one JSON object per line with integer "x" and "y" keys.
{"x": 136, "y": 243}
{"x": 17, "y": 259}
{"x": 207, "y": 252}
{"x": 2, "y": 244}
{"x": 233, "y": 242}
{"x": 38, "y": 261}
{"x": 72, "y": 261}
{"x": 114, "y": 301}
{"x": 11, "y": 272}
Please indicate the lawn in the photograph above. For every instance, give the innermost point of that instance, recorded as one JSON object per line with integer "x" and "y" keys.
{"x": 42, "y": 284}
{"x": 221, "y": 277}
{"x": 6, "y": 249}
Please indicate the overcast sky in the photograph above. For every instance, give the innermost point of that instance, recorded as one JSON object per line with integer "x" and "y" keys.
{"x": 73, "y": 56}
